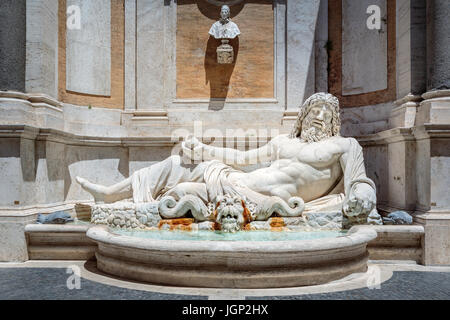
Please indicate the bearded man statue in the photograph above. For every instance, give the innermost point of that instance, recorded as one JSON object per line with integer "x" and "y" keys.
{"x": 313, "y": 168}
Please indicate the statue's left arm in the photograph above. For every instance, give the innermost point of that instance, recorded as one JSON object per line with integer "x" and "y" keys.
{"x": 360, "y": 191}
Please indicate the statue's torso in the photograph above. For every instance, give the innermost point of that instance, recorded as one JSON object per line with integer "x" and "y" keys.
{"x": 227, "y": 30}
{"x": 308, "y": 170}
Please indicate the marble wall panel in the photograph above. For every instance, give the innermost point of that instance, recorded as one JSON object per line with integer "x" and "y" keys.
{"x": 42, "y": 47}
{"x": 88, "y": 50}
{"x": 364, "y": 51}
{"x": 301, "y": 22}
{"x": 150, "y": 56}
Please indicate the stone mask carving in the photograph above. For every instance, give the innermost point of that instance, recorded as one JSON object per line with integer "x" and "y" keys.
{"x": 230, "y": 213}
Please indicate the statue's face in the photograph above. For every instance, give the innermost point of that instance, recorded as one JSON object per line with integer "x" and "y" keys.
{"x": 317, "y": 125}
{"x": 225, "y": 13}
{"x": 320, "y": 116}
{"x": 230, "y": 214}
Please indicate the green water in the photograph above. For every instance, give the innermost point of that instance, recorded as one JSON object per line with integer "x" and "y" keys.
{"x": 238, "y": 236}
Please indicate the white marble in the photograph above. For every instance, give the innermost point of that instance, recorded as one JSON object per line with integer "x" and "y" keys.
{"x": 304, "y": 166}
{"x": 321, "y": 51}
{"x": 150, "y": 57}
{"x": 130, "y": 54}
{"x": 224, "y": 28}
{"x": 301, "y": 21}
{"x": 88, "y": 50}
{"x": 42, "y": 47}
{"x": 232, "y": 264}
{"x": 364, "y": 51}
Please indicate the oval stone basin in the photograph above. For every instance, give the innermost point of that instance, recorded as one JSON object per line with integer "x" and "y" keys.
{"x": 156, "y": 258}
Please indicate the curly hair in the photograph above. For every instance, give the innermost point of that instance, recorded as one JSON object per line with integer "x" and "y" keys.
{"x": 325, "y": 98}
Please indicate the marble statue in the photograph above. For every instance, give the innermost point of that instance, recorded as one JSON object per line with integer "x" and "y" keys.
{"x": 312, "y": 170}
{"x": 224, "y": 28}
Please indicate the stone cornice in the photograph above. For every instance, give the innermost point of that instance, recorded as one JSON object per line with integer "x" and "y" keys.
{"x": 410, "y": 99}
{"x": 58, "y": 136}
{"x": 387, "y": 136}
{"x": 36, "y": 99}
{"x": 52, "y": 135}
{"x": 436, "y": 94}
{"x": 429, "y": 130}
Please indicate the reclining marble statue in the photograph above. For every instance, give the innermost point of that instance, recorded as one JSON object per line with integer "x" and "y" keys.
{"x": 312, "y": 169}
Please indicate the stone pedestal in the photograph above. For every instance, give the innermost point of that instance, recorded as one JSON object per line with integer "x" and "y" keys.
{"x": 404, "y": 114}
{"x": 225, "y": 53}
{"x": 433, "y": 185}
{"x": 13, "y": 243}
{"x": 436, "y": 241}
{"x": 435, "y": 109}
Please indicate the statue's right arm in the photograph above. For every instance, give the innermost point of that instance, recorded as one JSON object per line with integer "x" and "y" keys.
{"x": 234, "y": 157}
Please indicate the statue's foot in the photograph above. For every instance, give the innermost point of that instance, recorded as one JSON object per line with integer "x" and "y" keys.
{"x": 94, "y": 189}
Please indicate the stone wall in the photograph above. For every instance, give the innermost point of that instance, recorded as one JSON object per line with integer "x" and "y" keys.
{"x": 12, "y": 44}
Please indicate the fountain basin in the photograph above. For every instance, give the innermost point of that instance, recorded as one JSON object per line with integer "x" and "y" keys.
{"x": 231, "y": 264}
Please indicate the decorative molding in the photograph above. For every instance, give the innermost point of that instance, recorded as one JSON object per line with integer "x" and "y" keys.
{"x": 408, "y": 98}
{"x": 36, "y": 100}
{"x": 436, "y": 94}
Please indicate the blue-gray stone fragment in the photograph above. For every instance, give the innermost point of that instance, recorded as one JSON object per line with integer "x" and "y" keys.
{"x": 59, "y": 217}
{"x": 398, "y": 217}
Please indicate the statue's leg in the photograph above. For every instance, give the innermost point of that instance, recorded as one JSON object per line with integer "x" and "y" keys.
{"x": 147, "y": 184}
{"x": 101, "y": 194}
{"x": 185, "y": 188}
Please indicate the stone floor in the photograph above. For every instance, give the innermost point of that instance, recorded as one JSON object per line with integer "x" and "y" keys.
{"x": 36, "y": 280}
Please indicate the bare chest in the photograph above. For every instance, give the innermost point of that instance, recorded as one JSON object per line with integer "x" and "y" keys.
{"x": 318, "y": 155}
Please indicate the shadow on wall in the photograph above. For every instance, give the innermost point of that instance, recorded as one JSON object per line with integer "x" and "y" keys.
{"x": 212, "y": 11}
{"x": 218, "y": 75}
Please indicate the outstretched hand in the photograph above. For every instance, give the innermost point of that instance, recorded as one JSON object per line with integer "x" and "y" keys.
{"x": 192, "y": 148}
{"x": 361, "y": 202}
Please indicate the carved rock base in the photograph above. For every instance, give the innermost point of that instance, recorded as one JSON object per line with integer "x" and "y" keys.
{"x": 126, "y": 215}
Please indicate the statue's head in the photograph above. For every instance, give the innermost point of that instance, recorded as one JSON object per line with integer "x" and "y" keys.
{"x": 318, "y": 118}
{"x": 225, "y": 13}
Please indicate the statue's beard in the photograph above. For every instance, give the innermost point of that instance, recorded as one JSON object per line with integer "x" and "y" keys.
{"x": 311, "y": 133}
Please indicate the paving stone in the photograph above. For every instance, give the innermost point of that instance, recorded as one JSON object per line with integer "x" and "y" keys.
{"x": 410, "y": 285}
{"x": 50, "y": 284}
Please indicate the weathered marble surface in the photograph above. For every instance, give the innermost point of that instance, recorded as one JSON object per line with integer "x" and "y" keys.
{"x": 13, "y": 44}
{"x": 42, "y": 47}
{"x": 126, "y": 215}
{"x": 88, "y": 50}
{"x": 364, "y": 51}
{"x": 150, "y": 60}
{"x": 301, "y": 18}
{"x": 302, "y": 169}
{"x": 232, "y": 264}
{"x": 224, "y": 28}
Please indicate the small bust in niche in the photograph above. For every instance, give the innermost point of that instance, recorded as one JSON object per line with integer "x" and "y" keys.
{"x": 224, "y": 28}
